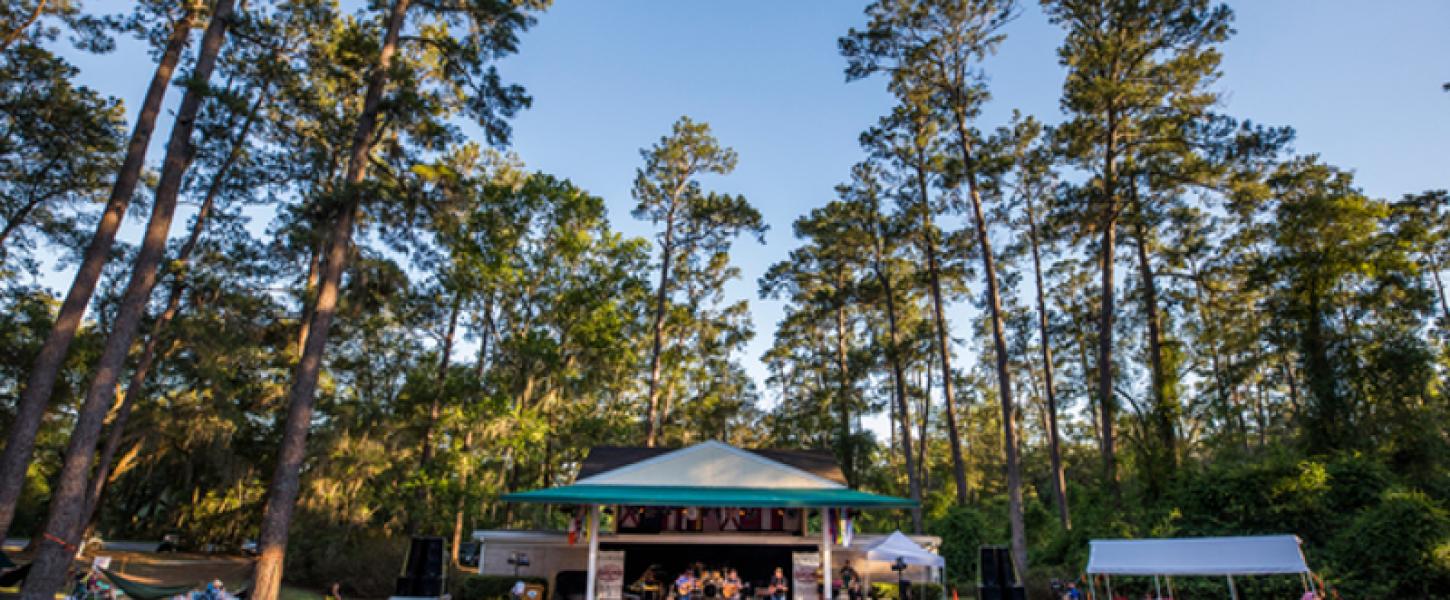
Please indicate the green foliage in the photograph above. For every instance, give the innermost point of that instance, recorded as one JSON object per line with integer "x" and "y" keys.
{"x": 494, "y": 324}
{"x": 963, "y": 531}
{"x": 494, "y": 587}
{"x": 1398, "y": 548}
{"x": 365, "y": 563}
{"x": 882, "y": 590}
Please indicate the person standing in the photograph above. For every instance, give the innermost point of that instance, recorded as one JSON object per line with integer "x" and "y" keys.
{"x": 778, "y": 586}
{"x": 851, "y": 582}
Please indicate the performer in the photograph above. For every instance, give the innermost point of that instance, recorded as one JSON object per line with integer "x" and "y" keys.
{"x": 685, "y": 584}
{"x": 730, "y": 589}
{"x": 851, "y": 581}
{"x": 779, "y": 588}
{"x": 647, "y": 586}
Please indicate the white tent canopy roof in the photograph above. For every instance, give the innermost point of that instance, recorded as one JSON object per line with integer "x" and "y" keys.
{"x": 897, "y": 545}
{"x": 1248, "y": 555}
{"x": 712, "y": 464}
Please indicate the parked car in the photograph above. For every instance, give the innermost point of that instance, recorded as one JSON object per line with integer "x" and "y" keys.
{"x": 249, "y": 547}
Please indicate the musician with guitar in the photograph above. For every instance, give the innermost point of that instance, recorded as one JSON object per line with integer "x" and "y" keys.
{"x": 730, "y": 586}
{"x": 779, "y": 587}
{"x": 685, "y": 584}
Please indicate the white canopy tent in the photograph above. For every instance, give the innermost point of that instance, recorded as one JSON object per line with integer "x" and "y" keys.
{"x": 1209, "y": 556}
{"x": 899, "y": 547}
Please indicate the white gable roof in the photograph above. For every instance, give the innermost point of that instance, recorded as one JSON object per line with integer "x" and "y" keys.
{"x": 897, "y": 545}
{"x": 712, "y": 464}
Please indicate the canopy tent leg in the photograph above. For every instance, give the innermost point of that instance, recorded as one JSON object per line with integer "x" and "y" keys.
{"x": 593, "y": 552}
{"x": 1157, "y": 589}
{"x": 1108, "y": 581}
{"x": 1171, "y": 593}
{"x": 1233, "y": 592}
{"x": 1093, "y": 587}
{"x": 826, "y": 590}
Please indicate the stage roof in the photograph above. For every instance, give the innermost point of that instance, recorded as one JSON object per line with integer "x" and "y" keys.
{"x": 710, "y": 474}
{"x": 660, "y": 495}
{"x": 1248, "y": 555}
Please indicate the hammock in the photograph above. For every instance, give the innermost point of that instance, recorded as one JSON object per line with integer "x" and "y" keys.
{"x": 141, "y": 591}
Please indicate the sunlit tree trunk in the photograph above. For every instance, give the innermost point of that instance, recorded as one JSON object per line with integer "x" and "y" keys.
{"x": 137, "y": 383}
{"x": 657, "y": 331}
{"x": 282, "y": 493}
{"x": 999, "y": 346}
{"x": 30, "y": 408}
{"x": 943, "y": 337}
{"x": 1165, "y": 409}
{"x": 69, "y": 503}
{"x": 1059, "y": 479}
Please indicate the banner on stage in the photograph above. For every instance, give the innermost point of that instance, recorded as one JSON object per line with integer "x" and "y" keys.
{"x": 609, "y": 582}
{"x": 804, "y": 573}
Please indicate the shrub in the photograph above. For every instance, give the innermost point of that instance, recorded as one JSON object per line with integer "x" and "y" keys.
{"x": 881, "y": 590}
{"x": 1397, "y": 549}
{"x": 494, "y": 587}
{"x": 962, "y": 531}
{"x": 364, "y": 561}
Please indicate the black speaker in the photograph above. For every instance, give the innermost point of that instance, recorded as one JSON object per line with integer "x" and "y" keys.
{"x": 429, "y": 588}
{"x": 995, "y": 592}
{"x": 432, "y": 566}
{"x": 404, "y": 587}
{"x": 995, "y": 567}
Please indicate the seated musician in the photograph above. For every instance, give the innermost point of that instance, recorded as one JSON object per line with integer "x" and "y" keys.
{"x": 730, "y": 587}
{"x": 685, "y": 584}
{"x": 710, "y": 584}
{"x": 779, "y": 588}
{"x": 647, "y": 587}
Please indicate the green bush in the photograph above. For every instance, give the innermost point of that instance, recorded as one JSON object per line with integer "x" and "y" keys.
{"x": 962, "y": 531}
{"x": 494, "y": 587}
{"x": 366, "y": 562}
{"x": 881, "y": 590}
{"x": 1399, "y": 548}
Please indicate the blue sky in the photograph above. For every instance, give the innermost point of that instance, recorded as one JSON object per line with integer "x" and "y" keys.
{"x": 1360, "y": 82}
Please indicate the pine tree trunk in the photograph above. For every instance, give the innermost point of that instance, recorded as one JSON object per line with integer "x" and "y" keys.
{"x": 69, "y": 503}
{"x": 1165, "y": 409}
{"x": 282, "y": 493}
{"x": 30, "y": 408}
{"x": 898, "y": 375}
{"x": 1059, "y": 478}
{"x": 309, "y": 287}
{"x": 943, "y": 337}
{"x": 1439, "y": 287}
{"x": 134, "y": 387}
{"x": 1109, "y": 231}
{"x": 999, "y": 346}
{"x": 462, "y": 503}
{"x": 662, "y": 293}
{"x": 843, "y": 401}
{"x": 435, "y": 408}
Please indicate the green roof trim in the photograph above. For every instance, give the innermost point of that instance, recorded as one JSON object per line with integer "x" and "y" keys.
{"x": 657, "y": 495}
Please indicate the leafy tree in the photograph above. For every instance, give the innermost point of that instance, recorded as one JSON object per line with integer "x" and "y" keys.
{"x": 1125, "y": 61}
{"x": 699, "y": 228}
{"x": 41, "y": 380}
{"x": 489, "y": 30}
